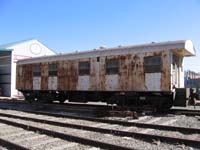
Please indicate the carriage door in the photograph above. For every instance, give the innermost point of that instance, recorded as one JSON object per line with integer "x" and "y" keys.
{"x": 175, "y": 71}
{"x": 152, "y": 69}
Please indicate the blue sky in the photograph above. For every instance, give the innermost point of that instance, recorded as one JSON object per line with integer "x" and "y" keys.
{"x": 69, "y": 25}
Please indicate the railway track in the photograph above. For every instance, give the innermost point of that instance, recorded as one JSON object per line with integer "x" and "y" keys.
{"x": 16, "y": 137}
{"x": 188, "y": 112}
{"x": 89, "y": 109}
{"x": 144, "y": 136}
{"x": 53, "y": 135}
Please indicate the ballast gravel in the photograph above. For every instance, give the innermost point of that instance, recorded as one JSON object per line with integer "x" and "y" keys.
{"x": 180, "y": 120}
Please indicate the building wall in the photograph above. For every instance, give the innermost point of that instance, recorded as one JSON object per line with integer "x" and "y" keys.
{"x": 5, "y": 72}
{"x": 32, "y": 48}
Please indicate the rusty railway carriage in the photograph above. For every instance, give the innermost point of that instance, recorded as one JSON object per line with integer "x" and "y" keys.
{"x": 126, "y": 75}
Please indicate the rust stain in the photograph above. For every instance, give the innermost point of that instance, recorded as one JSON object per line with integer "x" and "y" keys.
{"x": 137, "y": 73}
{"x": 102, "y": 73}
{"x": 94, "y": 74}
{"x": 61, "y": 75}
{"x": 67, "y": 75}
{"x": 26, "y": 80}
{"x": 131, "y": 73}
{"x": 44, "y": 76}
{"x": 73, "y": 75}
{"x": 166, "y": 73}
{"x": 123, "y": 72}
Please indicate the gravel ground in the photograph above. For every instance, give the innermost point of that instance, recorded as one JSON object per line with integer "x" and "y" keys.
{"x": 37, "y": 141}
{"x": 123, "y": 141}
{"x": 185, "y": 121}
{"x": 177, "y": 120}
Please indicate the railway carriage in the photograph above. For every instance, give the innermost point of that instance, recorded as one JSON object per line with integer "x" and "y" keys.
{"x": 138, "y": 75}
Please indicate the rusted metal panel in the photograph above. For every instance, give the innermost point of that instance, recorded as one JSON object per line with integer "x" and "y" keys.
{"x": 137, "y": 75}
{"x": 19, "y": 79}
{"x": 62, "y": 75}
{"x": 95, "y": 74}
{"x": 166, "y": 71}
{"x": 131, "y": 75}
{"x": 44, "y": 76}
{"x": 27, "y": 77}
{"x": 102, "y": 74}
{"x": 73, "y": 75}
{"x": 125, "y": 78}
{"x": 67, "y": 75}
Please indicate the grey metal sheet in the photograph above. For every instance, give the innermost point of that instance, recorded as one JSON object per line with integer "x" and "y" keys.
{"x": 5, "y": 89}
{"x": 5, "y": 79}
{"x": 5, "y": 69}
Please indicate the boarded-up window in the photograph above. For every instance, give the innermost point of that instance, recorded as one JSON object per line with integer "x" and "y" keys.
{"x": 84, "y": 68}
{"x": 152, "y": 64}
{"x": 52, "y": 69}
{"x": 36, "y": 70}
{"x": 112, "y": 66}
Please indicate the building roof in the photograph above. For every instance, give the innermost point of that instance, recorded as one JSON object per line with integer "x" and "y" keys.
{"x": 6, "y": 46}
{"x": 181, "y": 47}
{"x": 4, "y": 49}
{"x": 9, "y": 46}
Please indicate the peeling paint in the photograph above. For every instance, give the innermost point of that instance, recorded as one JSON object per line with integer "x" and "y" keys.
{"x": 131, "y": 76}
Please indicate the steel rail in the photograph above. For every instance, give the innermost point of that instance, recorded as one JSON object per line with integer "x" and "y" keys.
{"x": 140, "y": 125}
{"x": 148, "y": 137}
{"x": 185, "y": 112}
{"x": 67, "y": 137}
{"x": 123, "y": 123}
{"x": 11, "y": 145}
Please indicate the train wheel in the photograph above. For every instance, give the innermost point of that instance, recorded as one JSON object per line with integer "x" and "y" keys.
{"x": 29, "y": 97}
{"x": 62, "y": 100}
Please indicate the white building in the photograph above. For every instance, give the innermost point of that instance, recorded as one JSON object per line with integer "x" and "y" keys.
{"x": 9, "y": 54}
